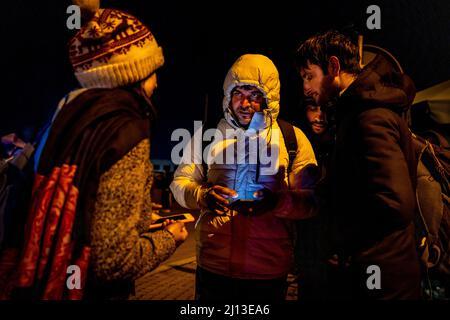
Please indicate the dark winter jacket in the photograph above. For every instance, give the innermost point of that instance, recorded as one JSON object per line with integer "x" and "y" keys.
{"x": 372, "y": 184}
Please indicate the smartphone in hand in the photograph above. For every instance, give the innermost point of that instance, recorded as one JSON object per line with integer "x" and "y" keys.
{"x": 243, "y": 205}
{"x": 183, "y": 217}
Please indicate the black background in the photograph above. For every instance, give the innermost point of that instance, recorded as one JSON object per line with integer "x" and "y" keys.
{"x": 200, "y": 41}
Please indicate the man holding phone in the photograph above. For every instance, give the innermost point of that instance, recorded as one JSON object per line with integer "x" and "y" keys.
{"x": 244, "y": 251}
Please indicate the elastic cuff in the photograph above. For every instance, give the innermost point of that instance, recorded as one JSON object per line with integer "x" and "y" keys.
{"x": 204, "y": 190}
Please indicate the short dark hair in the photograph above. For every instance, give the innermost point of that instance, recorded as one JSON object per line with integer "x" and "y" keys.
{"x": 319, "y": 48}
{"x": 308, "y": 101}
{"x": 245, "y": 87}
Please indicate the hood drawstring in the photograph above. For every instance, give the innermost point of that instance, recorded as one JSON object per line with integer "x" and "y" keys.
{"x": 233, "y": 118}
{"x": 268, "y": 137}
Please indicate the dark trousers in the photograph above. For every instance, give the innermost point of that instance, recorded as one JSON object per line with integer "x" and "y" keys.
{"x": 214, "y": 287}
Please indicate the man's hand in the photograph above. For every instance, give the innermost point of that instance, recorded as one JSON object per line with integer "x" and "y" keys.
{"x": 11, "y": 143}
{"x": 216, "y": 198}
{"x": 156, "y": 206}
{"x": 13, "y": 139}
{"x": 177, "y": 229}
{"x": 266, "y": 200}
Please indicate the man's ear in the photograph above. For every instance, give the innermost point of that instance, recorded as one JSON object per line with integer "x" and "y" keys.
{"x": 334, "y": 67}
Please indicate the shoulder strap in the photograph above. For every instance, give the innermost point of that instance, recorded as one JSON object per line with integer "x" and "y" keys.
{"x": 437, "y": 139}
{"x": 427, "y": 154}
{"x": 439, "y": 170}
{"x": 290, "y": 140}
{"x": 207, "y": 125}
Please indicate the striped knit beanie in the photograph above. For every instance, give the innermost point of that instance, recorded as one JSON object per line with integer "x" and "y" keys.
{"x": 113, "y": 49}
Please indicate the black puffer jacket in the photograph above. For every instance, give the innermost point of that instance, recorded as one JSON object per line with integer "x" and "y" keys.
{"x": 372, "y": 184}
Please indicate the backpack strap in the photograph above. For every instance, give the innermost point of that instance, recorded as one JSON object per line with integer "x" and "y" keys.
{"x": 427, "y": 152}
{"x": 437, "y": 138}
{"x": 440, "y": 173}
{"x": 207, "y": 125}
{"x": 290, "y": 140}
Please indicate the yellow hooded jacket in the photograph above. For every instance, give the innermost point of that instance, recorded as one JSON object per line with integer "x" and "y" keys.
{"x": 234, "y": 244}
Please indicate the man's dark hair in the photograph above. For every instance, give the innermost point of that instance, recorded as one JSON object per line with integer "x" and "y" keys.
{"x": 245, "y": 87}
{"x": 319, "y": 48}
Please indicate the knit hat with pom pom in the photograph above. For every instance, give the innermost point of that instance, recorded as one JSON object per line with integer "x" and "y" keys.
{"x": 112, "y": 49}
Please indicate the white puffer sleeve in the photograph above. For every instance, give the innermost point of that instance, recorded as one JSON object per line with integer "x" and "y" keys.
{"x": 305, "y": 158}
{"x": 188, "y": 178}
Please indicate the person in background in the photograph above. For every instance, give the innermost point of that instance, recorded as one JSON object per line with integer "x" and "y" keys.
{"x": 313, "y": 258}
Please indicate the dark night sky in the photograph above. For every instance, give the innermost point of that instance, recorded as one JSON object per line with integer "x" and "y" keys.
{"x": 200, "y": 41}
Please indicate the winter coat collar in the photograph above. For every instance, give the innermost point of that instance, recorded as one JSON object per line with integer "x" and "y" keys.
{"x": 378, "y": 86}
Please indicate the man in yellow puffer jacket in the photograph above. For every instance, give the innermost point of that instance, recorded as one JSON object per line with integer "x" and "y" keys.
{"x": 243, "y": 254}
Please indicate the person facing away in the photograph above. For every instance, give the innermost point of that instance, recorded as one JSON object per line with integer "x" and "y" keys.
{"x": 97, "y": 152}
{"x": 243, "y": 254}
{"x": 371, "y": 180}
